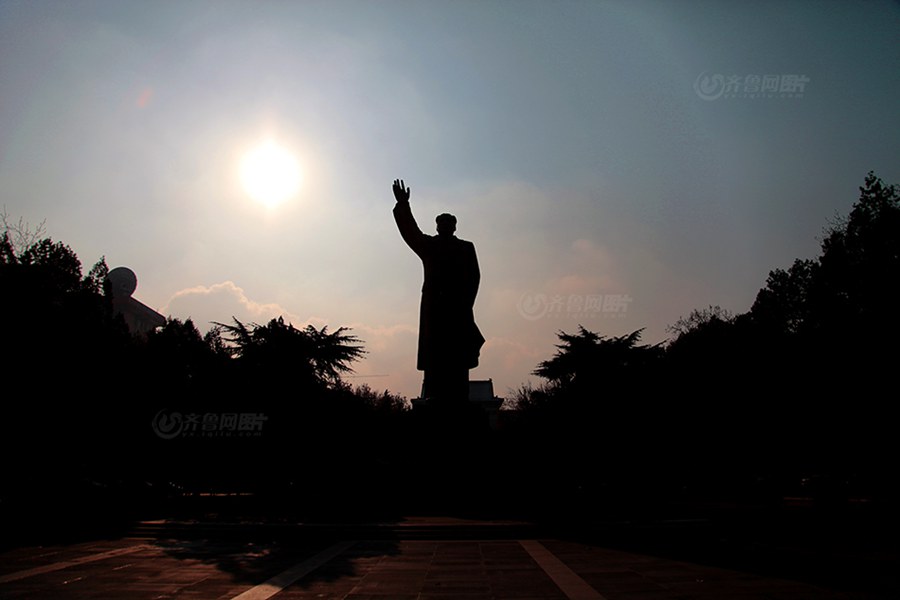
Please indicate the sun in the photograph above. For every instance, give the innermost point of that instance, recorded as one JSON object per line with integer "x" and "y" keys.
{"x": 270, "y": 174}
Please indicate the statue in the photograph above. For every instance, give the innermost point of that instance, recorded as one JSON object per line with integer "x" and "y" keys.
{"x": 449, "y": 339}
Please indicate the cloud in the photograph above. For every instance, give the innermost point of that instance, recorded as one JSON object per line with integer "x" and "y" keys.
{"x": 222, "y": 301}
{"x": 592, "y": 253}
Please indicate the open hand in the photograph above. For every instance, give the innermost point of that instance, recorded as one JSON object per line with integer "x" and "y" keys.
{"x": 401, "y": 193}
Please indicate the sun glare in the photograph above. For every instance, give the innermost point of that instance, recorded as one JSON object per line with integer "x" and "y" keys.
{"x": 270, "y": 174}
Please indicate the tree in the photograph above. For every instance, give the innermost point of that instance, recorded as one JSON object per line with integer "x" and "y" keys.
{"x": 183, "y": 358}
{"x": 783, "y": 305}
{"x": 827, "y": 328}
{"x": 587, "y": 358}
{"x": 860, "y": 263}
{"x": 844, "y": 303}
{"x": 384, "y": 402}
{"x": 68, "y": 352}
{"x": 700, "y": 319}
{"x": 306, "y": 356}
{"x": 51, "y": 308}
{"x": 20, "y": 235}
{"x": 709, "y": 348}
{"x": 531, "y": 398}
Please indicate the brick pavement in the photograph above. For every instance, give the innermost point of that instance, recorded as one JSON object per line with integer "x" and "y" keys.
{"x": 385, "y": 569}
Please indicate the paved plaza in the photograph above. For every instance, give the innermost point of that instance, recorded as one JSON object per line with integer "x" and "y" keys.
{"x": 435, "y": 559}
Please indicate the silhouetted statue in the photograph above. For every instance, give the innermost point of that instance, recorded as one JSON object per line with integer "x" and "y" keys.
{"x": 449, "y": 339}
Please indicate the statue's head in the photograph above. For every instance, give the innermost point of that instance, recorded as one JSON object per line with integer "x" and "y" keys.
{"x": 446, "y": 224}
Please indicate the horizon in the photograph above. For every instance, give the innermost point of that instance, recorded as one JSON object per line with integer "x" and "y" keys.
{"x": 591, "y": 152}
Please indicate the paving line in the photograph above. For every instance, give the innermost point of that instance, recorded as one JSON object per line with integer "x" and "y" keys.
{"x": 277, "y": 583}
{"x": 573, "y": 586}
{"x": 65, "y": 564}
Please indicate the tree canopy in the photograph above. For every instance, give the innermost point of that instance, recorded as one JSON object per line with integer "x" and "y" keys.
{"x": 851, "y": 290}
{"x": 588, "y": 359}
{"x": 307, "y": 354}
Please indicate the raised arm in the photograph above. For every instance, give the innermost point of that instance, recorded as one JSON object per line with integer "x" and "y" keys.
{"x": 406, "y": 223}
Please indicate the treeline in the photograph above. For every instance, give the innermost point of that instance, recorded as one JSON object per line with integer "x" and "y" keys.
{"x": 101, "y": 420}
{"x": 794, "y": 398}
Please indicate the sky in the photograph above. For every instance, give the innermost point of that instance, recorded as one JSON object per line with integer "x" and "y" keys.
{"x": 616, "y": 164}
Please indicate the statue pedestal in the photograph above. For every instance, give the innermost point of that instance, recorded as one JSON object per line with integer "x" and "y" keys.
{"x": 481, "y": 394}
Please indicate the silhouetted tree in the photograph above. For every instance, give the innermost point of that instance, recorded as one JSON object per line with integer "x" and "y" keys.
{"x": 860, "y": 265}
{"x": 784, "y": 305}
{"x": 58, "y": 321}
{"x": 588, "y": 360}
{"x": 700, "y": 319}
{"x": 531, "y": 398}
{"x": 384, "y": 401}
{"x": 185, "y": 361}
{"x": 709, "y": 349}
{"x": 599, "y": 398}
{"x": 65, "y": 356}
{"x": 806, "y": 366}
{"x": 303, "y": 355}
{"x": 850, "y": 294}
{"x": 20, "y": 235}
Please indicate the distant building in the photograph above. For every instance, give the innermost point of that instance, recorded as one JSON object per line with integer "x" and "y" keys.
{"x": 482, "y": 393}
{"x": 121, "y": 283}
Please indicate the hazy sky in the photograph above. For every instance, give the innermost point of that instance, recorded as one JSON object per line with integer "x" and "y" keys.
{"x": 617, "y": 164}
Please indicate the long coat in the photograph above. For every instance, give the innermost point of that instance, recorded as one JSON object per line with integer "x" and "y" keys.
{"x": 448, "y": 335}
